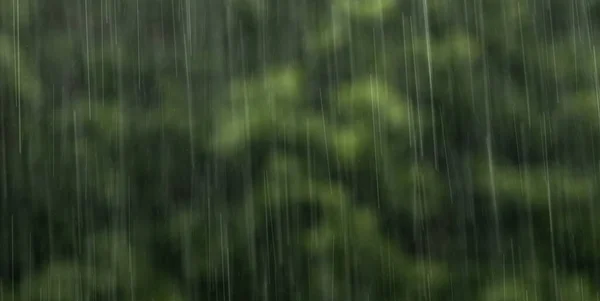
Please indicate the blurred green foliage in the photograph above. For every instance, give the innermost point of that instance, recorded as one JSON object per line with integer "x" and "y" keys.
{"x": 299, "y": 150}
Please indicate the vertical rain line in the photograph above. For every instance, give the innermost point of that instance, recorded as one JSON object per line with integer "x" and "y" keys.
{"x": 230, "y": 54}
{"x": 247, "y": 132}
{"x": 103, "y": 15}
{"x": 227, "y": 259}
{"x": 187, "y": 47}
{"x": 555, "y": 71}
{"x": 132, "y": 272}
{"x": 4, "y": 156}
{"x": 119, "y": 219}
{"x": 386, "y": 92}
{"x": 17, "y": 72}
{"x": 597, "y": 96}
{"x": 336, "y": 74}
{"x": 549, "y": 202}
{"x": 189, "y": 98}
{"x": 326, "y": 140}
{"x": 139, "y": 49}
{"x": 471, "y": 79}
{"x": 525, "y": 74}
{"x": 174, "y": 37}
{"x": 376, "y": 135}
{"x": 409, "y": 116}
{"x": 420, "y": 126}
{"x": 77, "y": 228}
{"x": 488, "y": 131}
{"x": 417, "y": 145}
{"x": 574, "y": 40}
{"x": 430, "y": 77}
{"x": 12, "y": 253}
{"x": 350, "y": 48}
{"x": 87, "y": 58}
{"x": 596, "y": 84}
{"x": 77, "y": 164}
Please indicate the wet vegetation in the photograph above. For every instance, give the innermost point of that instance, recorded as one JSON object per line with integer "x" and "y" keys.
{"x": 175, "y": 150}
